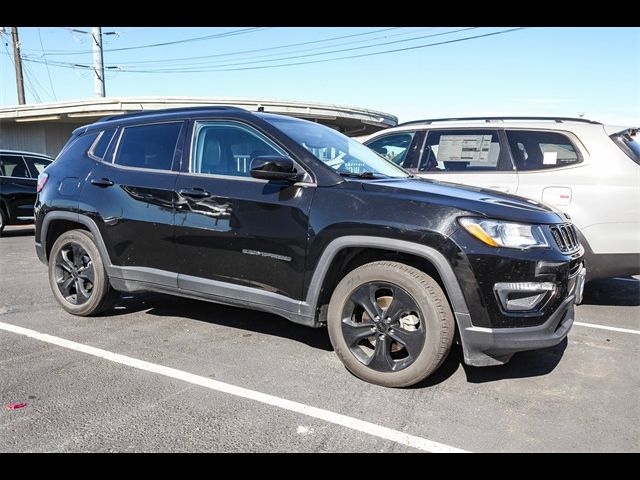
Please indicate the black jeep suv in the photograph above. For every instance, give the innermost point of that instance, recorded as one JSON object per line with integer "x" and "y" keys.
{"x": 291, "y": 217}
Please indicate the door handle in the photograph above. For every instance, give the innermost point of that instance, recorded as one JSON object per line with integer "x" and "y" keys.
{"x": 101, "y": 182}
{"x": 195, "y": 193}
{"x": 499, "y": 188}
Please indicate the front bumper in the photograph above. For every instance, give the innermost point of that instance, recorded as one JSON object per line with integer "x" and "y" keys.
{"x": 495, "y": 346}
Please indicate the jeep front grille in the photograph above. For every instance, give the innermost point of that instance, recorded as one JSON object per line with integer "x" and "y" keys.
{"x": 565, "y": 237}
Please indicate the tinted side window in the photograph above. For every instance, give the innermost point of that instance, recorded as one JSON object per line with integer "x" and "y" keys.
{"x": 13, "y": 166}
{"x": 535, "y": 150}
{"x": 77, "y": 147}
{"x": 393, "y": 147}
{"x": 100, "y": 148}
{"x": 148, "y": 146}
{"x": 228, "y": 148}
{"x": 36, "y": 165}
{"x": 461, "y": 151}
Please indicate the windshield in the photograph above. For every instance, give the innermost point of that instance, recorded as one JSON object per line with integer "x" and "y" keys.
{"x": 629, "y": 142}
{"x": 345, "y": 155}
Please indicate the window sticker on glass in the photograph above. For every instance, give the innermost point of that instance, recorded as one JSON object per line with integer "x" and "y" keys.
{"x": 464, "y": 148}
{"x": 550, "y": 158}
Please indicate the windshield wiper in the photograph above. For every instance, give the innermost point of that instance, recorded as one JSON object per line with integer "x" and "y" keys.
{"x": 361, "y": 175}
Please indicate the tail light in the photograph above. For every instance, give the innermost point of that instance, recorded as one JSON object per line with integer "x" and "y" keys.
{"x": 42, "y": 179}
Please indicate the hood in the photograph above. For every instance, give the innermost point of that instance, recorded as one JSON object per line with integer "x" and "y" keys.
{"x": 477, "y": 201}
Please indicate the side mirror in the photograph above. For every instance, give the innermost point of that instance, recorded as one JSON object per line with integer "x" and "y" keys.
{"x": 274, "y": 167}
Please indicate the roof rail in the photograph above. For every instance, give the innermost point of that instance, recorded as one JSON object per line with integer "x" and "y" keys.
{"x": 166, "y": 110}
{"x": 488, "y": 119}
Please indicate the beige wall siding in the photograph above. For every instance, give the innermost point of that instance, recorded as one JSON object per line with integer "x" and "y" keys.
{"x": 46, "y": 138}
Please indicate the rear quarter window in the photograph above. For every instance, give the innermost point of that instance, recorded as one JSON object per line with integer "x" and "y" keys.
{"x": 100, "y": 147}
{"x": 78, "y": 147}
{"x": 540, "y": 150}
{"x": 629, "y": 143}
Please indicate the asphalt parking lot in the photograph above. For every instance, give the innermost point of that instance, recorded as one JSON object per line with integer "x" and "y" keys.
{"x": 235, "y": 374}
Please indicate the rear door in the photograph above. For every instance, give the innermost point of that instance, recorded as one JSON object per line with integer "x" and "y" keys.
{"x": 132, "y": 189}
{"x": 550, "y": 166}
{"x": 18, "y": 188}
{"x": 469, "y": 156}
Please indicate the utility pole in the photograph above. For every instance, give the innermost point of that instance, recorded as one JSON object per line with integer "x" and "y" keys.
{"x": 17, "y": 60}
{"x": 98, "y": 66}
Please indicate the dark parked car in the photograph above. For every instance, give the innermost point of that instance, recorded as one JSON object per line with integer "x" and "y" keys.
{"x": 287, "y": 216}
{"x": 18, "y": 176}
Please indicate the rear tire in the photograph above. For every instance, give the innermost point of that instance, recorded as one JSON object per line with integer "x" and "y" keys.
{"x": 77, "y": 276}
{"x": 390, "y": 324}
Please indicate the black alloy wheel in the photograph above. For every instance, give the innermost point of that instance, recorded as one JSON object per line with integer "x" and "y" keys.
{"x": 383, "y": 326}
{"x": 75, "y": 274}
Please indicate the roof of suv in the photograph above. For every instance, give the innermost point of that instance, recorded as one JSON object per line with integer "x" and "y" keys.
{"x": 4, "y": 151}
{"x": 578, "y": 126}
{"x": 165, "y": 114}
{"x": 500, "y": 119}
{"x": 547, "y": 123}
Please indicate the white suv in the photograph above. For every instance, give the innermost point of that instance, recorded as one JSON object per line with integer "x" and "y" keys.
{"x": 589, "y": 170}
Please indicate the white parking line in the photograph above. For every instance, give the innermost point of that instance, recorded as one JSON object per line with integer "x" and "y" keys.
{"x": 326, "y": 415}
{"x": 604, "y": 327}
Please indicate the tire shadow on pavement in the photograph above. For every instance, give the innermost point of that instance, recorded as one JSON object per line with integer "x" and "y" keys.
{"x": 235, "y": 317}
{"x": 18, "y": 231}
{"x": 524, "y": 364}
{"x": 620, "y": 292}
{"x": 534, "y": 363}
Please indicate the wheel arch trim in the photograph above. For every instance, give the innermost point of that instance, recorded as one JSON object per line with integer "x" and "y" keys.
{"x": 452, "y": 287}
{"x": 77, "y": 218}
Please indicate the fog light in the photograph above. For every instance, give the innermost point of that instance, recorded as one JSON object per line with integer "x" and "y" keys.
{"x": 522, "y": 296}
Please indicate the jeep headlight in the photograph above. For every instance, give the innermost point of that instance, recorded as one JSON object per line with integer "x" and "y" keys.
{"x": 498, "y": 233}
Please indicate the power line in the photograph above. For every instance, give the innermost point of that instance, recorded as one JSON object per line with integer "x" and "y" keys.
{"x": 244, "y": 62}
{"x": 327, "y": 52}
{"x": 362, "y": 55}
{"x": 30, "y": 85}
{"x": 163, "y": 44}
{"x": 337, "y": 58}
{"x": 265, "y": 49}
{"x": 166, "y": 63}
{"x": 47, "y": 64}
{"x": 4, "y": 44}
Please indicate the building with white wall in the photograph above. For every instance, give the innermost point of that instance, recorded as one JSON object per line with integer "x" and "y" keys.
{"x": 46, "y": 127}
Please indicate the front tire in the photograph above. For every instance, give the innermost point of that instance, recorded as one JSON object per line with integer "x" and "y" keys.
{"x": 77, "y": 275}
{"x": 390, "y": 324}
